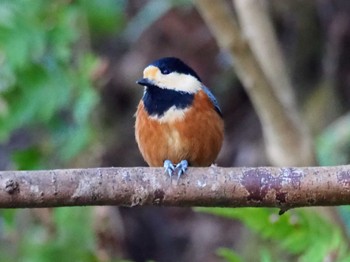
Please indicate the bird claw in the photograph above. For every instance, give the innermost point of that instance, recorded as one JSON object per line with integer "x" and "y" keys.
{"x": 180, "y": 168}
{"x": 169, "y": 167}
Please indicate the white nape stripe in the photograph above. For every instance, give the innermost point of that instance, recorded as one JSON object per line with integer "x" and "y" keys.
{"x": 179, "y": 82}
{"x": 173, "y": 81}
{"x": 171, "y": 115}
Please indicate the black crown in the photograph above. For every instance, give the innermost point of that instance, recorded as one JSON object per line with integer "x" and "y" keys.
{"x": 168, "y": 65}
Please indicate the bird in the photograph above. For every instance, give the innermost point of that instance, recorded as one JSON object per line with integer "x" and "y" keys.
{"x": 178, "y": 120}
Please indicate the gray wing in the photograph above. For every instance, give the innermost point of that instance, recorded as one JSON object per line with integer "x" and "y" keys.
{"x": 212, "y": 99}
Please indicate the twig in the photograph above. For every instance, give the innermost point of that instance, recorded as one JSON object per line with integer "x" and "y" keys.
{"x": 284, "y": 188}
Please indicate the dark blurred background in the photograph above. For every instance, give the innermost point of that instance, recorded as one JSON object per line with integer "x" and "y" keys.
{"x": 68, "y": 97}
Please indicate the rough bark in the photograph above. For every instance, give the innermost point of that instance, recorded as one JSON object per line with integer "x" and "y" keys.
{"x": 214, "y": 186}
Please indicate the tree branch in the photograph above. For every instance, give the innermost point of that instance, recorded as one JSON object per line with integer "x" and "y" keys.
{"x": 214, "y": 186}
{"x": 286, "y": 139}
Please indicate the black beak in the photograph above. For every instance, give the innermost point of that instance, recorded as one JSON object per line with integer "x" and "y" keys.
{"x": 144, "y": 82}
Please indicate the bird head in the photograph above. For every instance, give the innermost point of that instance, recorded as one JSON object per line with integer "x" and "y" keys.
{"x": 171, "y": 73}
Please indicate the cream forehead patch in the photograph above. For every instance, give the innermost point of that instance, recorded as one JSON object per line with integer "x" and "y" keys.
{"x": 151, "y": 72}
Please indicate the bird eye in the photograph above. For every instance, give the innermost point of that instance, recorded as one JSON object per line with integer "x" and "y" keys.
{"x": 165, "y": 71}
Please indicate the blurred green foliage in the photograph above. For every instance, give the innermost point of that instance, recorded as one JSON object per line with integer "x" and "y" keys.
{"x": 72, "y": 239}
{"x": 46, "y": 74}
{"x": 228, "y": 254}
{"x": 301, "y": 233}
{"x": 47, "y": 91}
{"x": 104, "y": 16}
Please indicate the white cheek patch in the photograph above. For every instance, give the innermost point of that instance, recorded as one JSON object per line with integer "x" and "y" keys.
{"x": 171, "y": 115}
{"x": 178, "y": 82}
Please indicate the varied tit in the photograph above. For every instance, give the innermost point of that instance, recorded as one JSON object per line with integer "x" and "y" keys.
{"x": 178, "y": 120}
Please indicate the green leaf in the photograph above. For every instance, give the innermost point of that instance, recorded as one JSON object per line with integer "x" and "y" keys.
{"x": 229, "y": 255}
{"x": 265, "y": 255}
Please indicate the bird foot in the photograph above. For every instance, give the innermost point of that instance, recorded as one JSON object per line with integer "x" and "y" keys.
{"x": 180, "y": 168}
{"x": 169, "y": 167}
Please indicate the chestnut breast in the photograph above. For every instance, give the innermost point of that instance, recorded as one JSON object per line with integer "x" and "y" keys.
{"x": 194, "y": 133}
